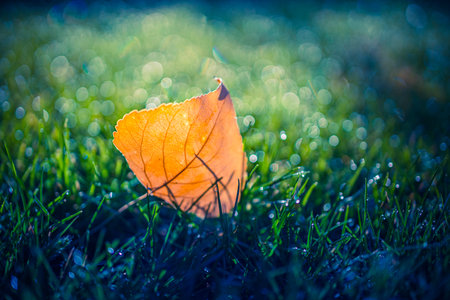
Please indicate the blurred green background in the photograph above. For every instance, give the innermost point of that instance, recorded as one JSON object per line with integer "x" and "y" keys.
{"x": 343, "y": 81}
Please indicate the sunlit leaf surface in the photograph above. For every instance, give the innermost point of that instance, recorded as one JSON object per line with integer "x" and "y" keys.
{"x": 183, "y": 152}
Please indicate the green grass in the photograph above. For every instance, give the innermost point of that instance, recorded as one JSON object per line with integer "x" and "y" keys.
{"x": 344, "y": 115}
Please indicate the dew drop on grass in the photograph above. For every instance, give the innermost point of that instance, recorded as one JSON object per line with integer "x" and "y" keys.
{"x": 326, "y": 206}
{"x": 388, "y": 182}
{"x": 390, "y": 164}
{"x": 252, "y": 158}
{"x": 78, "y": 257}
{"x": 110, "y": 250}
{"x": 14, "y": 282}
{"x": 71, "y": 275}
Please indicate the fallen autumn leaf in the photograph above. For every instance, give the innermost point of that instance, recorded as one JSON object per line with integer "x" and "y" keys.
{"x": 183, "y": 152}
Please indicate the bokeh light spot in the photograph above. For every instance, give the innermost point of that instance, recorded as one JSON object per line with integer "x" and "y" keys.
{"x": 416, "y": 16}
{"x": 333, "y": 140}
{"x": 347, "y": 125}
{"x": 82, "y": 94}
{"x": 361, "y": 133}
{"x": 290, "y": 101}
{"x": 93, "y": 129}
{"x": 20, "y": 112}
{"x": 152, "y": 72}
{"x": 59, "y": 66}
{"x": 166, "y": 83}
{"x": 18, "y": 134}
{"x": 107, "y": 89}
{"x": 324, "y": 97}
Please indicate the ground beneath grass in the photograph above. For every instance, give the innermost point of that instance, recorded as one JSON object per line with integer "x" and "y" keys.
{"x": 344, "y": 111}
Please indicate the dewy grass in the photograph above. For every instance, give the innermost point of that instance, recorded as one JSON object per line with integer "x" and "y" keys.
{"x": 346, "y": 137}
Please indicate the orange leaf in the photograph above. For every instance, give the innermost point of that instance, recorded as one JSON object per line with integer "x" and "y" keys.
{"x": 182, "y": 152}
